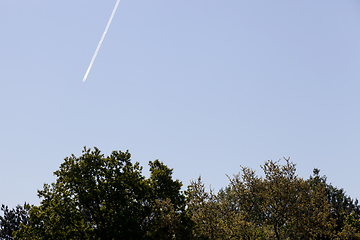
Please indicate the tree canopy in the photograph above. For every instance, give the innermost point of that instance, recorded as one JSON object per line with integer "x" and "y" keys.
{"x": 107, "y": 197}
{"x": 279, "y": 205}
{"x": 12, "y": 219}
{"x": 97, "y": 197}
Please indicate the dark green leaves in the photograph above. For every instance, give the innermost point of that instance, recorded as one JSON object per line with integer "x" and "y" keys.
{"x": 98, "y": 197}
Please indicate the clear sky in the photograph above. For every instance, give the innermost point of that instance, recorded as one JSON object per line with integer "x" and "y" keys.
{"x": 202, "y": 85}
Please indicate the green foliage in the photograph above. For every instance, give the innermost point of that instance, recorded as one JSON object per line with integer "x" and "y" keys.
{"x": 12, "y": 219}
{"x": 170, "y": 219}
{"x": 344, "y": 212}
{"x": 97, "y": 197}
{"x": 279, "y": 205}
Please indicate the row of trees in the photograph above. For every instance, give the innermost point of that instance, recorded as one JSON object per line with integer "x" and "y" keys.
{"x": 279, "y": 205}
{"x": 98, "y": 197}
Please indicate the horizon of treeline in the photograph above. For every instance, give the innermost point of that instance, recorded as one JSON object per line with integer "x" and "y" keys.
{"x": 107, "y": 197}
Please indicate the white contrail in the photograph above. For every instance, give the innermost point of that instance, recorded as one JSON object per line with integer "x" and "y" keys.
{"x": 101, "y": 40}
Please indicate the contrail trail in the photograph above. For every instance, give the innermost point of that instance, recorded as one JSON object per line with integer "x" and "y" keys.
{"x": 101, "y": 40}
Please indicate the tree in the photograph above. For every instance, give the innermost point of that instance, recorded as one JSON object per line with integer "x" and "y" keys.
{"x": 205, "y": 210}
{"x": 169, "y": 217}
{"x": 97, "y": 197}
{"x": 279, "y": 205}
{"x": 344, "y": 212}
{"x": 12, "y": 219}
{"x": 215, "y": 215}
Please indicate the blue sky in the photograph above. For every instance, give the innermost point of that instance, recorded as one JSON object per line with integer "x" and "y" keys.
{"x": 204, "y": 86}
